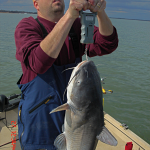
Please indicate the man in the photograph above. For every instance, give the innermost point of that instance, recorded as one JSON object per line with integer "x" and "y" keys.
{"x": 43, "y": 58}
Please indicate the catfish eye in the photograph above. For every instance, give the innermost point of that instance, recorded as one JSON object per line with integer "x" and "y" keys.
{"x": 78, "y": 82}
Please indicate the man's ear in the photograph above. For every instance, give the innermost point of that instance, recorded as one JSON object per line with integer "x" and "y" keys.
{"x": 36, "y": 5}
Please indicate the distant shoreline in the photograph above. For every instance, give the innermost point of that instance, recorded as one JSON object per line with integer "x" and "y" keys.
{"x": 24, "y": 12}
{"x": 18, "y": 12}
{"x": 128, "y": 19}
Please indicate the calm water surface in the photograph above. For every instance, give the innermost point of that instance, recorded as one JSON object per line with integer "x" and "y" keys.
{"x": 127, "y": 71}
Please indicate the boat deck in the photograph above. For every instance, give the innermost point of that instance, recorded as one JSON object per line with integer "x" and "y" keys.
{"x": 122, "y": 135}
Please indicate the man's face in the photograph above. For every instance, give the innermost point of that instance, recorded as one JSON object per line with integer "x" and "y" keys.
{"x": 49, "y": 7}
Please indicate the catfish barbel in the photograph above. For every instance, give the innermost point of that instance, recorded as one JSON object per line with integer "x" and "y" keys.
{"x": 84, "y": 118}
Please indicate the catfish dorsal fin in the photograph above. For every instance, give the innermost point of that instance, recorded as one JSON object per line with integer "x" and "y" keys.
{"x": 60, "y": 108}
{"x": 60, "y": 142}
{"x": 106, "y": 137}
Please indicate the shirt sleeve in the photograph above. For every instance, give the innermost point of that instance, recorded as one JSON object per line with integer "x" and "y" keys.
{"x": 103, "y": 44}
{"x": 28, "y": 36}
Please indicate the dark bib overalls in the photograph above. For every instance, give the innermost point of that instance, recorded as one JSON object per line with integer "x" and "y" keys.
{"x": 36, "y": 127}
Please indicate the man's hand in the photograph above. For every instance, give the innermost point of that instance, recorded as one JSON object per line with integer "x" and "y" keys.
{"x": 104, "y": 23}
{"x": 77, "y": 5}
{"x": 97, "y": 5}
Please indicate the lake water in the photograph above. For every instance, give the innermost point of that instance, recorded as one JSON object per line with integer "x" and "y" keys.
{"x": 127, "y": 71}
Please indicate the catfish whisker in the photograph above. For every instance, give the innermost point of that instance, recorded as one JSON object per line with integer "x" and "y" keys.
{"x": 68, "y": 69}
{"x": 68, "y": 85}
{"x": 70, "y": 82}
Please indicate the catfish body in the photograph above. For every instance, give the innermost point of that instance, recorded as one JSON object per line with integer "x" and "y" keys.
{"x": 84, "y": 119}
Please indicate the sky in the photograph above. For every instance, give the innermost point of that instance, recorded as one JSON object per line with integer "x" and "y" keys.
{"x": 129, "y": 9}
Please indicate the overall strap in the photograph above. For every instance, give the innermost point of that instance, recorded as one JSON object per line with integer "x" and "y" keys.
{"x": 45, "y": 33}
{"x": 72, "y": 34}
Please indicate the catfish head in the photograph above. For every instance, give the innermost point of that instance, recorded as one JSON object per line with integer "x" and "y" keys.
{"x": 84, "y": 89}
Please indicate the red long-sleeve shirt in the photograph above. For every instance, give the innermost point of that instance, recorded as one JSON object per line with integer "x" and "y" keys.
{"x": 34, "y": 60}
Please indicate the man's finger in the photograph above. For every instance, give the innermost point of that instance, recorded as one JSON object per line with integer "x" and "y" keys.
{"x": 98, "y": 5}
{"x": 101, "y": 5}
{"x": 93, "y": 2}
{"x": 76, "y": 5}
{"x": 84, "y": 4}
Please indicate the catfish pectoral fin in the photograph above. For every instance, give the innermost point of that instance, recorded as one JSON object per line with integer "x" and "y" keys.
{"x": 60, "y": 108}
{"x": 106, "y": 137}
{"x": 60, "y": 142}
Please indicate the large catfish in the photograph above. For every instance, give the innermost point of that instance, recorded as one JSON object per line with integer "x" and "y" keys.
{"x": 84, "y": 118}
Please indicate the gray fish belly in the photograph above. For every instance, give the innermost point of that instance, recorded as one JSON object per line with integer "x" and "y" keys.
{"x": 80, "y": 137}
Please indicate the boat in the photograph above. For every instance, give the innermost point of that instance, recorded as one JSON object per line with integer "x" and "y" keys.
{"x": 9, "y": 139}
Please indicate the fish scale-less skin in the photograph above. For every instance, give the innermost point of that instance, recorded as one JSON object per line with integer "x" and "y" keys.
{"x": 82, "y": 138}
{"x": 73, "y": 135}
{"x": 84, "y": 120}
{"x": 81, "y": 135}
{"x": 89, "y": 89}
{"x": 88, "y": 138}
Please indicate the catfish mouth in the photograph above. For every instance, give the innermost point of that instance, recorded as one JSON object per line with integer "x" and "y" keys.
{"x": 76, "y": 70}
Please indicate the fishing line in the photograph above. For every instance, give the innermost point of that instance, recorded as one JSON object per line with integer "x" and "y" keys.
{"x": 86, "y": 53}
